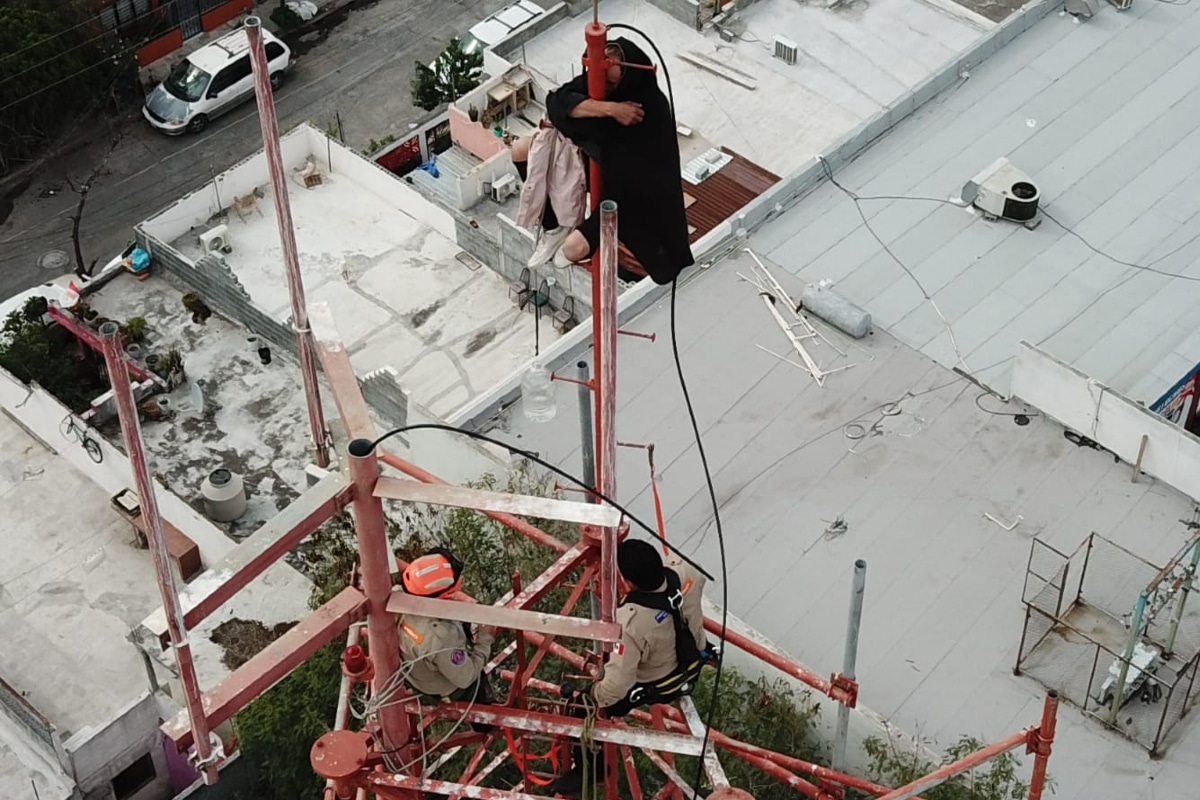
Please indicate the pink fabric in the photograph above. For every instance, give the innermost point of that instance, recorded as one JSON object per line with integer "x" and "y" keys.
{"x": 555, "y": 175}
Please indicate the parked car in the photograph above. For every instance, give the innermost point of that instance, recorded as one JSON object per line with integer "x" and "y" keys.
{"x": 498, "y": 26}
{"x": 211, "y": 81}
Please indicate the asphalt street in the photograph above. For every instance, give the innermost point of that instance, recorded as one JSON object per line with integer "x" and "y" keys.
{"x": 361, "y": 71}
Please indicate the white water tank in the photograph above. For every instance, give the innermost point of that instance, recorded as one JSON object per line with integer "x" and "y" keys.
{"x": 224, "y": 495}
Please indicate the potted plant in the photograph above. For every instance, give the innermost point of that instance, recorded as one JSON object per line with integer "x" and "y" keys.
{"x": 135, "y": 328}
{"x": 170, "y": 365}
{"x": 200, "y": 311}
{"x": 473, "y": 113}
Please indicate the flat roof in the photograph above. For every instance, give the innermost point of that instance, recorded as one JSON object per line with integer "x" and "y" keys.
{"x": 853, "y": 61}
{"x": 23, "y": 763}
{"x": 401, "y": 291}
{"x": 943, "y": 612}
{"x": 72, "y": 593}
{"x": 1105, "y": 118}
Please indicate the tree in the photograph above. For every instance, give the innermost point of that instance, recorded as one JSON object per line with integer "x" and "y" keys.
{"x": 34, "y": 353}
{"x": 453, "y": 73}
{"x": 82, "y": 188}
{"x": 57, "y": 65}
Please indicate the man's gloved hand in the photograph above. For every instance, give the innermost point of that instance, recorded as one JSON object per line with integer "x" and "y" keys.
{"x": 570, "y": 690}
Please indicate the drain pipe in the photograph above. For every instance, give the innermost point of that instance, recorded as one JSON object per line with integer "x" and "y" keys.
{"x": 287, "y": 236}
{"x": 118, "y": 375}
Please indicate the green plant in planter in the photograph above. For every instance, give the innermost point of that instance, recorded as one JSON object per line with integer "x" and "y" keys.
{"x": 135, "y": 329}
{"x": 171, "y": 363}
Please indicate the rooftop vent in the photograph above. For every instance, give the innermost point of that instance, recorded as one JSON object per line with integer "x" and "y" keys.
{"x": 224, "y": 495}
{"x": 786, "y": 50}
{"x": 1002, "y": 190}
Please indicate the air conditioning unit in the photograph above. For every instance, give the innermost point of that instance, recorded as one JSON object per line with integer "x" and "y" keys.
{"x": 215, "y": 241}
{"x": 786, "y": 50}
{"x": 503, "y": 187}
{"x": 1002, "y": 190}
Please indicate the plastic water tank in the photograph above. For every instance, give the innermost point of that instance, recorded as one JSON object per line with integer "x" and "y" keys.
{"x": 224, "y": 495}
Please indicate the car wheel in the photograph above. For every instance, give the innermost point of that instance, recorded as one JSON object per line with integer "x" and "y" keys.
{"x": 198, "y": 123}
{"x": 276, "y": 80}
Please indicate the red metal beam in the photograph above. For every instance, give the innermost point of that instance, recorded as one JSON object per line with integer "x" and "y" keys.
{"x": 84, "y": 334}
{"x": 505, "y": 617}
{"x": 1040, "y": 742}
{"x": 503, "y": 502}
{"x": 508, "y": 520}
{"x": 385, "y": 782}
{"x": 273, "y": 663}
{"x": 194, "y": 712}
{"x": 945, "y": 773}
{"x": 277, "y": 537}
{"x": 768, "y": 652}
{"x": 604, "y": 731}
{"x": 287, "y": 236}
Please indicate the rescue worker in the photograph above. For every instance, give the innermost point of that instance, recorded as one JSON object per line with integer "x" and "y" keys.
{"x": 663, "y": 645}
{"x": 442, "y": 660}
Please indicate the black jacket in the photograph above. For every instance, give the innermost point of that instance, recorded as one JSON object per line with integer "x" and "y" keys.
{"x": 639, "y": 164}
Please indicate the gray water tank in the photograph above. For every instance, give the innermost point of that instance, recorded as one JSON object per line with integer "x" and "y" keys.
{"x": 224, "y": 495}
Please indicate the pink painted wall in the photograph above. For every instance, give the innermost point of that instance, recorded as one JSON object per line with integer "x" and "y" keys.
{"x": 473, "y": 137}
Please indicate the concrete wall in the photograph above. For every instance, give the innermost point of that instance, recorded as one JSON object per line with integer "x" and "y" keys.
{"x": 98, "y": 754}
{"x": 42, "y": 731}
{"x": 509, "y": 48}
{"x": 686, "y": 11}
{"x": 471, "y": 136}
{"x": 1070, "y": 397}
{"x": 515, "y": 248}
{"x": 40, "y": 413}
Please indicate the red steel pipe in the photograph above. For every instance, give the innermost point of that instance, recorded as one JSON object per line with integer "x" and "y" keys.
{"x": 770, "y": 656}
{"x": 370, "y": 526}
{"x": 945, "y": 773}
{"x": 507, "y": 520}
{"x": 776, "y": 771}
{"x": 1041, "y": 742}
{"x": 287, "y": 237}
{"x": 118, "y": 375}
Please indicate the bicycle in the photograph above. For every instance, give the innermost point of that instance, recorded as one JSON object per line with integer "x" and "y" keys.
{"x": 69, "y": 427}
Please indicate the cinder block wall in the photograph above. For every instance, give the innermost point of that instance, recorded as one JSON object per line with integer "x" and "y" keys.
{"x": 219, "y": 288}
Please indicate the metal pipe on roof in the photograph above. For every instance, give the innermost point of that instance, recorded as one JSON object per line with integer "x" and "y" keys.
{"x": 127, "y": 413}
{"x": 287, "y": 236}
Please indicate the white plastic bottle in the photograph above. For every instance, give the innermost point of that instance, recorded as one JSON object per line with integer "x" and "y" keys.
{"x": 537, "y": 394}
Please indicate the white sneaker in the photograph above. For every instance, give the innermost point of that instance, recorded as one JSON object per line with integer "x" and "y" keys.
{"x": 548, "y": 245}
{"x": 561, "y": 261}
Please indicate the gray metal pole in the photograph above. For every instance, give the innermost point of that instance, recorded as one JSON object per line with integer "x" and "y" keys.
{"x": 850, "y": 660}
{"x": 587, "y": 451}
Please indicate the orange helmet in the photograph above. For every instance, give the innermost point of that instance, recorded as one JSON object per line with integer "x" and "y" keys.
{"x": 433, "y": 575}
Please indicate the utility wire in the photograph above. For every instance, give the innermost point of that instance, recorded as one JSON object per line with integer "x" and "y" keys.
{"x": 535, "y": 458}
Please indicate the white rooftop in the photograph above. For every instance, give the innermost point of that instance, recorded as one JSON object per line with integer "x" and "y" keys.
{"x": 73, "y": 587}
{"x": 383, "y": 258}
{"x": 1105, "y": 117}
{"x": 23, "y": 764}
{"x": 852, "y": 62}
{"x": 943, "y": 609}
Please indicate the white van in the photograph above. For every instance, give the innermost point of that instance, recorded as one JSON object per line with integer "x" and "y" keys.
{"x": 211, "y": 81}
{"x": 497, "y": 27}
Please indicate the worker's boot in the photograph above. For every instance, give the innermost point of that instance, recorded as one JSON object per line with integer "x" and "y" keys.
{"x": 571, "y": 783}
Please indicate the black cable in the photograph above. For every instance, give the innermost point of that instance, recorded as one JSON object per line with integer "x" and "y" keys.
{"x": 661, "y": 60}
{"x": 716, "y": 506}
{"x": 708, "y": 479}
{"x": 535, "y": 458}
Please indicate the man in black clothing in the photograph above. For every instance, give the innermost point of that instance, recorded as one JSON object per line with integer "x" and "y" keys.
{"x": 631, "y": 135}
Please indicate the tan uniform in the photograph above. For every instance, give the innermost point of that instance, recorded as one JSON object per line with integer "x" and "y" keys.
{"x": 440, "y": 657}
{"x": 646, "y": 651}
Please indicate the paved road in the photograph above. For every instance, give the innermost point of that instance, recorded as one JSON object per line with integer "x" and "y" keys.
{"x": 362, "y": 70}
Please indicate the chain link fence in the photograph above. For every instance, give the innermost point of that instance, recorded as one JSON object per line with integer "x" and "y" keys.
{"x": 1080, "y": 609}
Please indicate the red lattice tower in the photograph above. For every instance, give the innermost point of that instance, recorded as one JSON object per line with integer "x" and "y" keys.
{"x": 352, "y": 761}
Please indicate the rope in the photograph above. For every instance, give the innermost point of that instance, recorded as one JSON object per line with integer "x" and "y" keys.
{"x": 658, "y": 509}
{"x": 587, "y": 745}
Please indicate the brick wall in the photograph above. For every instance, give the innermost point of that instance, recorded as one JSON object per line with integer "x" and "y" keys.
{"x": 42, "y": 730}
{"x": 686, "y": 11}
